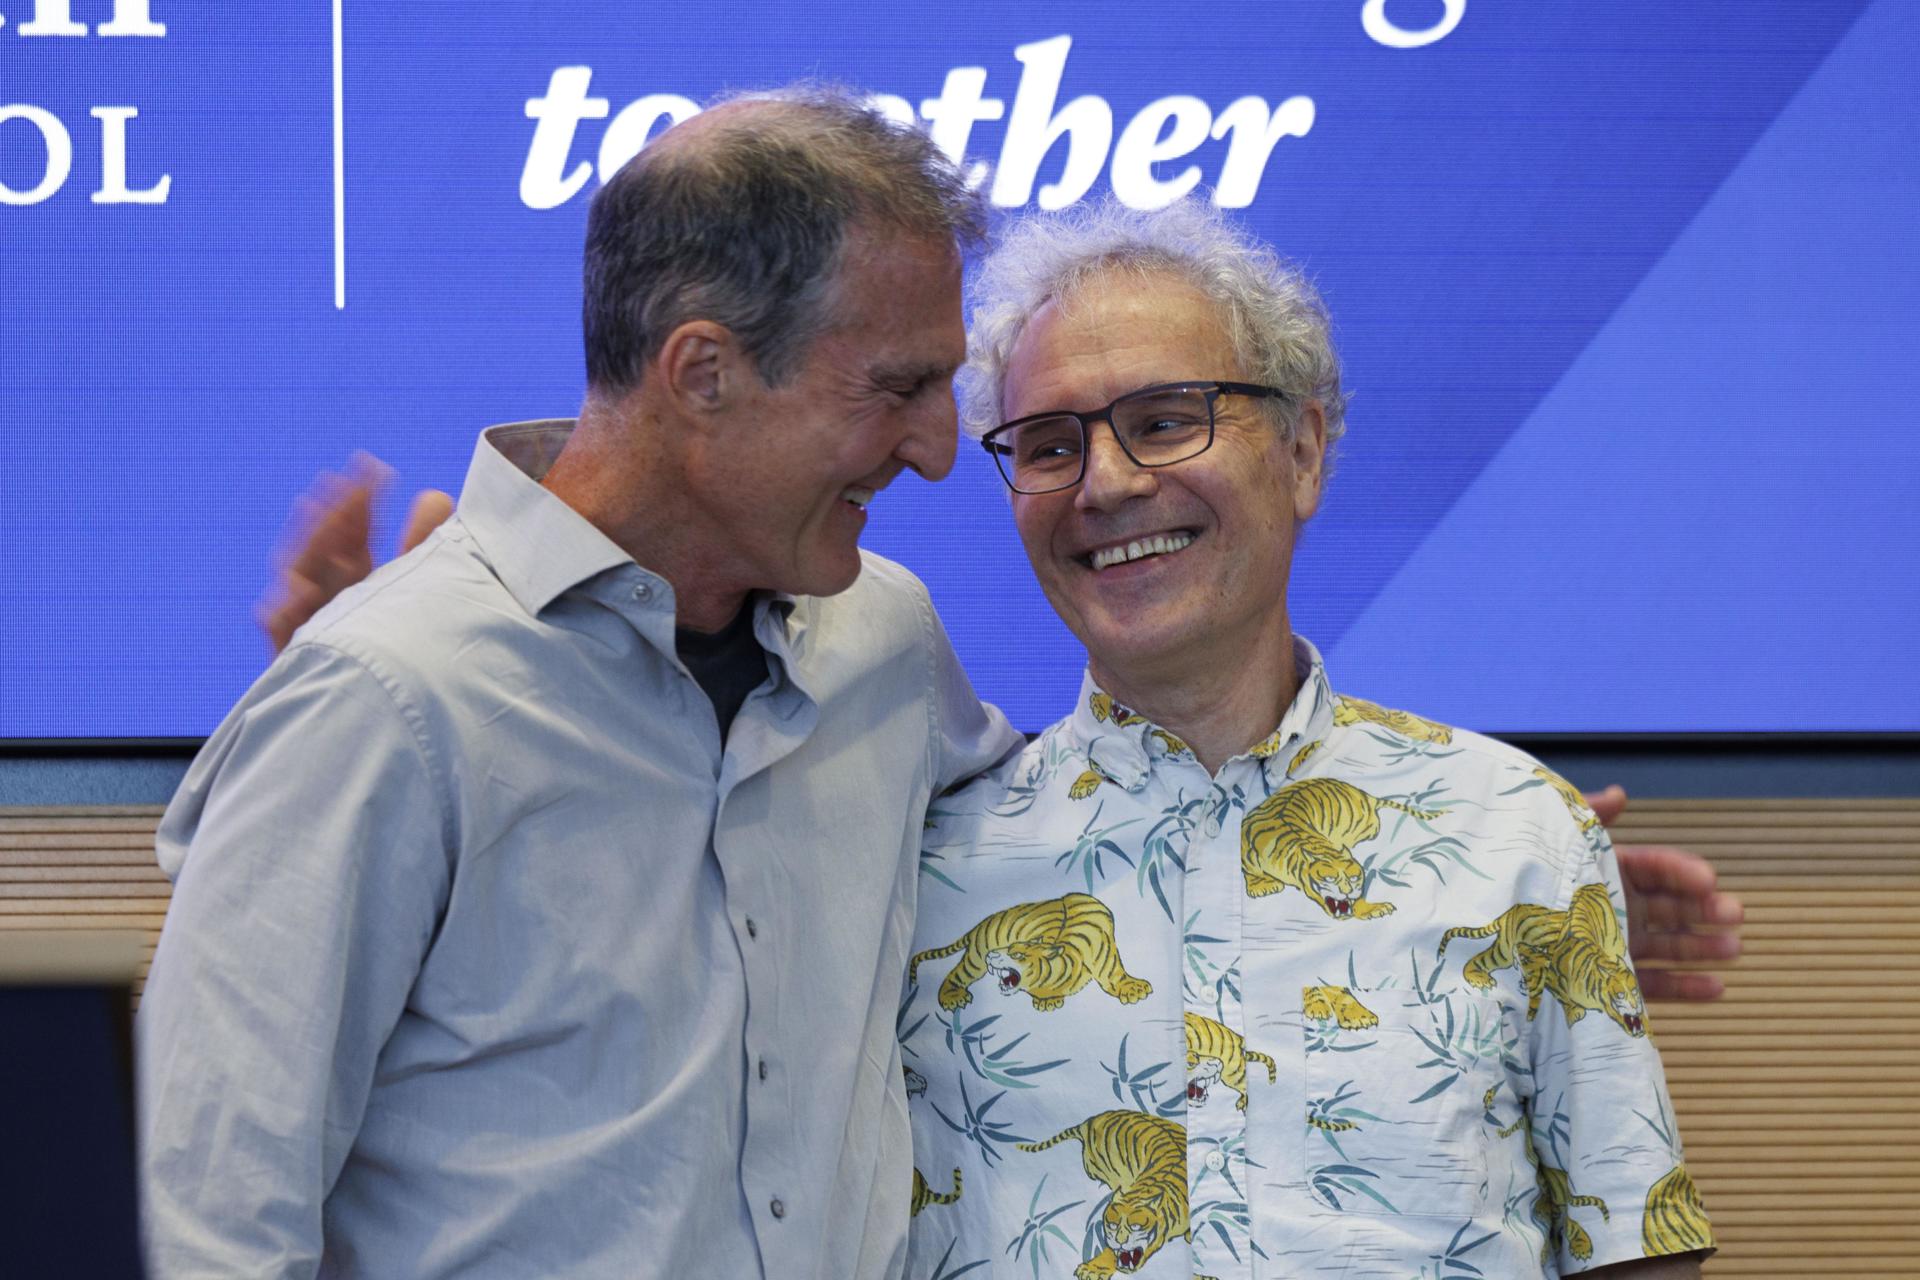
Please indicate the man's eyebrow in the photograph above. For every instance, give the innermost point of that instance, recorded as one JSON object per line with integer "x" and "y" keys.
{"x": 898, "y": 374}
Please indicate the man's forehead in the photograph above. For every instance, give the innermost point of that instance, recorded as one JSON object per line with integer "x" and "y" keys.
{"x": 1119, "y": 331}
{"x": 898, "y": 304}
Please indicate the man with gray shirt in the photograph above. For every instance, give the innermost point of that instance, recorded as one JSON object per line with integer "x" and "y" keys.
{"x": 541, "y": 910}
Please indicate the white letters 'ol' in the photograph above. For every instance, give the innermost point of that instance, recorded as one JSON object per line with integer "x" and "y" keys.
{"x": 59, "y": 144}
{"x": 113, "y": 162}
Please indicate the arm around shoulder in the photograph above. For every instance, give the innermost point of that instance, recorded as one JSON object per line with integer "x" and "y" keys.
{"x": 970, "y": 736}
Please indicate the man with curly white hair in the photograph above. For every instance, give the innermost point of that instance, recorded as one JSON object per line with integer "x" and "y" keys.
{"x": 1252, "y": 978}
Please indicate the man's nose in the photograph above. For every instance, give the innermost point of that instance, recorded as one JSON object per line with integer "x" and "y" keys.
{"x": 1111, "y": 477}
{"x": 931, "y": 437}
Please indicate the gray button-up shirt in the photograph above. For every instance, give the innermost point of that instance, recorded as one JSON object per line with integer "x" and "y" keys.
{"x": 486, "y": 959}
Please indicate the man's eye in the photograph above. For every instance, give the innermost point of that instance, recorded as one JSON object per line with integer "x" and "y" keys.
{"x": 1053, "y": 451}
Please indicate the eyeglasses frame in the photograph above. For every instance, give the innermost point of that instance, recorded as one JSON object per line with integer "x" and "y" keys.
{"x": 1212, "y": 390}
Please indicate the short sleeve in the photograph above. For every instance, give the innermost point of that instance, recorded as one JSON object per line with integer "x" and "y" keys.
{"x": 1611, "y": 1164}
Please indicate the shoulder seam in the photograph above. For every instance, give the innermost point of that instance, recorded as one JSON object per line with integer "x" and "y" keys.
{"x": 410, "y": 716}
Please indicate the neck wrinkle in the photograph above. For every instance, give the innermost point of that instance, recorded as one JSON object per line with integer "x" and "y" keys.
{"x": 1219, "y": 709}
{"x": 619, "y": 476}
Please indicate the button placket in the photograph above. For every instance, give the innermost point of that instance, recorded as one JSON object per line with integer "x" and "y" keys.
{"x": 1215, "y": 1122}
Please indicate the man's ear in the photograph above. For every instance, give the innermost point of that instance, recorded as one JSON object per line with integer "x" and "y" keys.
{"x": 700, "y": 367}
{"x": 1309, "y": 448}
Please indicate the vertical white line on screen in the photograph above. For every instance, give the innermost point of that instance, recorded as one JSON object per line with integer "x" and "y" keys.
{"x": 339, "y": 175}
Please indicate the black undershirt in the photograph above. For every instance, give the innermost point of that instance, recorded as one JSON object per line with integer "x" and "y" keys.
{"x": 729, "y": 664}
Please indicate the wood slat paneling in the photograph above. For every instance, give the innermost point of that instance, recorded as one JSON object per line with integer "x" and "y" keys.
{"x": 1798, "y": 1094}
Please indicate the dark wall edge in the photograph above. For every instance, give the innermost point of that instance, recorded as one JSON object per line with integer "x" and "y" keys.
{"x": 138, "y": 771}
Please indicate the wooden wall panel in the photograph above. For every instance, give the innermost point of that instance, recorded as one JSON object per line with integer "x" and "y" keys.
{"x": 83, "y": 868}
{"x": 1798, "y": 1094}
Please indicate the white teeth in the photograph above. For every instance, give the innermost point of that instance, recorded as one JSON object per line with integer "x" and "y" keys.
{"x": 1158, "y": 545}
{"x": 858, "y": 496}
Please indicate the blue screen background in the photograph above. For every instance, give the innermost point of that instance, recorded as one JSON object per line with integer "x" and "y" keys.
{"x": 1629, "y": 300}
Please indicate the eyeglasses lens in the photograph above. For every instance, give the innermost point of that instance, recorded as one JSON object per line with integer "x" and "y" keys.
{"x": 1163, "y": 426}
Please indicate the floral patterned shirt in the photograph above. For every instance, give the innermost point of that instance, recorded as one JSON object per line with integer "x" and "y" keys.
{"x": 1357, "y": 1006}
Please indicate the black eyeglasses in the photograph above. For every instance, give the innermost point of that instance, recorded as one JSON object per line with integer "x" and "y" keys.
{"x": 1156, "y": 427}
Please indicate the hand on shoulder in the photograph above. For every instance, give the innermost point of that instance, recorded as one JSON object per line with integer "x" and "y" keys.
{"x": 1675, "y": 912}
{"x": 328, "y": 545}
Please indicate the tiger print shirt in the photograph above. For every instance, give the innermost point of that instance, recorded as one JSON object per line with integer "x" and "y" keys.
{"x": 1357, "y": 1006}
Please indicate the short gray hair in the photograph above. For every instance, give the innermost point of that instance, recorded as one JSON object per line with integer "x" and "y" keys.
{"x": 744, "y": 226}
{"x": 1273, "y": 316}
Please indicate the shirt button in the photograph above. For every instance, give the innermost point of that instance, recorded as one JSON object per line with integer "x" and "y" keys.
{"x": 643, "y": 592}
{"x": 1213, "y": 825}
{"x": 1215, "y": 1161}
{"x": 778, "y": 1208}
{"x": 753, "y": 930}
{"x": 763, "y": 1068}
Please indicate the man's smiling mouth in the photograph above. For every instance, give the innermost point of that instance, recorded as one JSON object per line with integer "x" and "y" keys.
{"x": 1159, "y": 544}
{"x": 857, "y": 496}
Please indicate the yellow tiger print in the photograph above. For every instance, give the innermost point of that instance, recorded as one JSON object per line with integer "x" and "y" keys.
{"x": 1508, "y": 1131}
{"x": 1086, "y": 784}
{"x": 1355, "y": 710}
{"x": 1676, "y": 1220}
{"x": 1331, "y": 1126}
{"x": 1143, "y": 1159}
{"x": 1173, "y": 745}
{"x": 1575, "y": 802}
{"x": 1104, "y": 708}
{"x": 1300, "y": 756}
{"x": 1049, "y": 950}
{"x": 1216, "y": 1054}
{"x": 1577, "y": 954}
{"x": 1303, "y": 836}
{"x": 1554, "y": 1198}
{"x": 1552, "y": 1209}
{"x": 1338, "y": 1005}
{"x": 924, "y": 1195}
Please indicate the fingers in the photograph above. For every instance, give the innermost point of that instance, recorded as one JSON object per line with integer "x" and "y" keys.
{"x": 1608, "y": 804}
{"x": 326, "y": 548}
{"x": 429, "y": 511}
{"x": 1658, "y": 869}
{"x": 1662, "y": 912}
{"x": 328, "y": 538}
{"x": 1687, "y": 948}
{"x": 1679, "y": 984}
{"x": 283, "y": 611}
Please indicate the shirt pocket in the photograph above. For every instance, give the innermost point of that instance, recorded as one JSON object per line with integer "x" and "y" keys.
{"x": 1399, "y": 1093}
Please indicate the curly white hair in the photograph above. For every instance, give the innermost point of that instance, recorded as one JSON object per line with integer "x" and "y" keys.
{"x": 1273, "y": 316}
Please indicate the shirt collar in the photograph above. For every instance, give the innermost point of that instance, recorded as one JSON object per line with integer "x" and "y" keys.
{"x": 540, "y": 548}
{"x": 1124, "y": 745}
{"x": 537, "y": 545}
